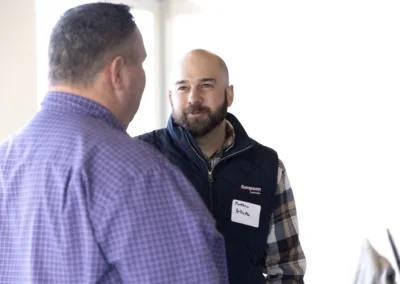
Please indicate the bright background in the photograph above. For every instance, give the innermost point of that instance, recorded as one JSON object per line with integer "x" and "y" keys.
{"x": 318, "y": 81}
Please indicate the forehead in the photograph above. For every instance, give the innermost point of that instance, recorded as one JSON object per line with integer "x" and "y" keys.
{"x": 197, "y": 67}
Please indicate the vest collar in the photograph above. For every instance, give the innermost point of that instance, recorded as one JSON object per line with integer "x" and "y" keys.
{"x": 187, "y": 143}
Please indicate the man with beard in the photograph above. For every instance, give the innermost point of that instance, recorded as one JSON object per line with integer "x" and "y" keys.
{"x": 243, "y": 183}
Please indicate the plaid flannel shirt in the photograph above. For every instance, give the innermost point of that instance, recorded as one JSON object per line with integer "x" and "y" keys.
{"x": 285, "y": 262}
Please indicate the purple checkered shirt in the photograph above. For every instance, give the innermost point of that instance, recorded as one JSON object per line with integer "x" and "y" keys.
{"x": 82, "y": 202}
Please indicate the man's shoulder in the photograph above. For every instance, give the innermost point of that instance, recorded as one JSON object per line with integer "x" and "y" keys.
{"x": 264, "y": 150}
{"x": 159, "y": 138}
{"x": 263, "y": 158}
{"x": 153, "y": 136}
{"x": 132, "y": 151}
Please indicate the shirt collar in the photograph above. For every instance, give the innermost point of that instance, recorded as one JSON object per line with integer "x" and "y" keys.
{"x": 66, "y": 102}
{"x": 230, "y": 135}
{"x": 229, "y": 141}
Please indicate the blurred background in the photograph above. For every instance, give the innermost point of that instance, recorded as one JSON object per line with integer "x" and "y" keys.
{"x": 318, "y": 81}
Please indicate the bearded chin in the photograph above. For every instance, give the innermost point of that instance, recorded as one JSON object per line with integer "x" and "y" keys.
{"x": 200, "y": 127}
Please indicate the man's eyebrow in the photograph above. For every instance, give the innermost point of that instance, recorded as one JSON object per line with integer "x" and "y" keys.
{"x": 208, "y": 80}
{"x": 180, "y": 82}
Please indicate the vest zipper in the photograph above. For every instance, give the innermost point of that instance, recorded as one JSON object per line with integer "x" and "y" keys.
{"x": 210, "y": 171}
{"x": 210, "y": 177}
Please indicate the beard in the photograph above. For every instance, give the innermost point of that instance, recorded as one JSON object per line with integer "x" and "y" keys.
{"x": 201, "y": 126}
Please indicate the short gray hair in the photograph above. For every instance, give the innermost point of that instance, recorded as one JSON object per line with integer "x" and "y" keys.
{"x": 85, "y": 38}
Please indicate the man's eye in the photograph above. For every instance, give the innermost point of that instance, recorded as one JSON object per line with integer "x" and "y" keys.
{"x": 182, "y": 88}
{"x": 207, "y": 86}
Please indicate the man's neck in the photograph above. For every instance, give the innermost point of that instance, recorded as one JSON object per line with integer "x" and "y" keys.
{"x": 95, "y": 94}
{"x": 210, "y": 143}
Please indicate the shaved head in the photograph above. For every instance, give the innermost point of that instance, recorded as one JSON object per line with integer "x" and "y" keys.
{"x": 201, "y": 55}
{"x": 200, "y": 94}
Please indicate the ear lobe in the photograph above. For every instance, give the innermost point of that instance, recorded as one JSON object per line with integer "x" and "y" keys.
{"x": 170, "y": 97}
{"x": 117, "y": 66}
{"x": 230, "y": 95}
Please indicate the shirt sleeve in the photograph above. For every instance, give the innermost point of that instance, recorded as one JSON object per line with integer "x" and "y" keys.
{"x": 285, "y": 262}
{"x": 156, "y": 229}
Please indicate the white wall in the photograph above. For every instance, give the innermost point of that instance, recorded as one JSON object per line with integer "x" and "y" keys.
{"x": 18, "y": 64}
{"x": 319, "y": 82}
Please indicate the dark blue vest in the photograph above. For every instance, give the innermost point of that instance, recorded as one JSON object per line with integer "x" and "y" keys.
{"x": 247, "y": 172}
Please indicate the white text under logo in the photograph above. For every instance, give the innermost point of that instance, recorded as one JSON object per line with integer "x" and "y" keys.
{"x": 252, "y": 190}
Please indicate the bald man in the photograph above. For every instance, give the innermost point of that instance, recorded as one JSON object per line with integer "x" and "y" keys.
{"x": 243, "y": 183}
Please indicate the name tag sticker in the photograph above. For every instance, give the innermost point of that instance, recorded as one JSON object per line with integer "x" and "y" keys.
{"x": 246, "y": 213}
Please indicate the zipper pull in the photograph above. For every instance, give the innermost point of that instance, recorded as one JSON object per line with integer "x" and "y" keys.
{"x": 210, "y": 177}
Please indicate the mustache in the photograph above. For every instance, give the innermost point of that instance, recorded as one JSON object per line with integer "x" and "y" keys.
{"x": 195, "y": 108}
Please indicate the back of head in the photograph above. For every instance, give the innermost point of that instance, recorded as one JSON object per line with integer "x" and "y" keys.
{"x": 85, "y": 38}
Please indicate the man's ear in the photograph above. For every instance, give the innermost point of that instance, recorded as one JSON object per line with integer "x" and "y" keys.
{"x": 230, "y": 95}
{"x": 170, "y": 97}
{"x": 116, "y": 72}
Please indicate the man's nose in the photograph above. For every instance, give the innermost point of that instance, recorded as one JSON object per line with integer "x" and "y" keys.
{"x": 194, "y": 96}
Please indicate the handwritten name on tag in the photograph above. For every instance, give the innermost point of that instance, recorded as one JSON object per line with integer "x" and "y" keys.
{"x": 246, "y": 213}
